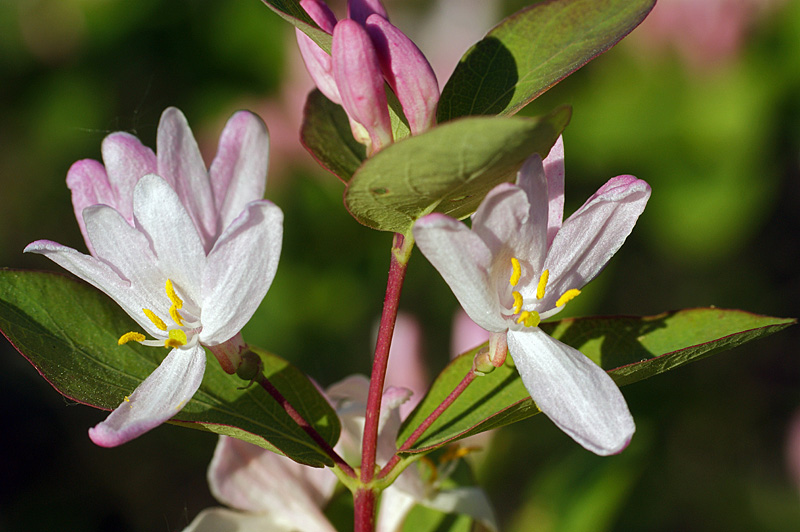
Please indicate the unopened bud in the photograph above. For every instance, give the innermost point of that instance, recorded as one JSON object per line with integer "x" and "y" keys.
{"x": 250, "y": 366}
{"x": 482, "y": 364}
{"x": 317, "y": 60}
{"x": 229, "y": 353}
{"x": 360, "y": 10}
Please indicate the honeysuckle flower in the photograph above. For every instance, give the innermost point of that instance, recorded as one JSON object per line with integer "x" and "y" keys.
{"x": 189, "y": 254}
{"x": 368, "y": 50}
{"x": 271, "y": 492}
{"x": 518, "y": 265}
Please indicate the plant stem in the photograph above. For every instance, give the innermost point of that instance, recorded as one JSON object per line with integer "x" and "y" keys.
{"x": 305, "y": 425}
{"x": 401, "y": 251}
{"x": 420, "y": 430}
{"x": 364, "y": 502}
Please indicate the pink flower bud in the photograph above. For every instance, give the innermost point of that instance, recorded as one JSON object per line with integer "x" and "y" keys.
{"x": 357, "y": 72}
{"x": 317, "y": 60}
{"x": 407, "y": 72}
{"x": 360, "y": 10}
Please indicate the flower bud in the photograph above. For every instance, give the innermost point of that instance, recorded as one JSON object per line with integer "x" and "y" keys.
{"x": 360, "y": 10}
{"x": 229, "y": 353}
{"x": 357, "y": 72}
{"x": 482, "y": 364}
{"x": 407, "y": 71}
{"x": 250, "y": 366}
{"x": 317, "y": 60}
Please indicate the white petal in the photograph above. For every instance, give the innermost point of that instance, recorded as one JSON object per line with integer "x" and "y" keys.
{"x": 224, "y": 520}
{"x": 590, "y": 237}
{"x": 127, "y": 160}
{"x": 88, "y": 182}
{"x": 162, "y": 395}
{"x": 240, "y": 270}
{"x": 554, "y": 169}
{"x": 573, "y": 391}
{"x": 253, "y": 479}
{"x": 467, "y": 500}
{"x": 395, "y": 505}
{"x": 179, "y": 253}
{"x": 239, "y": 171}
{"x": 464, "y": 261}
{"x": 533, "y": 238}
{"x": 180, "y": 163}
{"x": 99, "y": 274}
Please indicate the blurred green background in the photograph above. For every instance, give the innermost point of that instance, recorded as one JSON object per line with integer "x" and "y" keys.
{"x": 714, "y": 129}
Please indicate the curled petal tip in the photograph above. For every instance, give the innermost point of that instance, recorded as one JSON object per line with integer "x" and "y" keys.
{"x": 360, "y": 10}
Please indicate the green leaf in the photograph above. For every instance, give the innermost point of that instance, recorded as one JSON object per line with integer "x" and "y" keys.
{"x": 532, "y": 50}
{"x": 291, "y": 12}
{"x": 629, "y": 348}
{"x": 69, "y": 330}
{"x": 448, "y": 169}
{"x": 326, "y": 134}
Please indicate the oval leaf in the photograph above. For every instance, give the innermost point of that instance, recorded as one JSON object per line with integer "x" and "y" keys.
{"x": 69, "y": 330}
{"x": 532, "y": 50}
{"x": 629, "y": 348}
{"x": 448, "y": 169}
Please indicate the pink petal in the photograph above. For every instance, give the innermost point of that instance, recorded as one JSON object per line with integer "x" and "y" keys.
{"x": 554, "y": 169}
{"x": 222, "y": 519}
{"x": 466, "y": 334}
{"x": 162, "y": 395}
{"x": 406, "y": 367}
{"x": 360, "y": 10}
{"x": 407, "y": 72}
{"x": 89, "y": 184}
{"x": 357, "y": 72}
{"x": 239, "y": 171}
{"x": 572, "y": 391}
{"x": 240, "y": 270}
{"x": 590, "y": 237}
{"x": 253, "y": 479}
{"x": 320, "y": 13}
{"x": 126, "y": 160}
{"x": 464, "y": 261}
{"x": 182, "y": 166}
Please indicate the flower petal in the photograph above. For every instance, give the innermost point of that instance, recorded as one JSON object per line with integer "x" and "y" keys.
{"x": 126, "y": 160}
{"x": 224, "y": 520}
{"x": 240, "y": 270}
{"x": 100, "y": 275}
{"x": 358, "y": 76}
{"x": 239, "y": 171}
{"x": 464, "y": 261}
{"x": 554, "y": 169}
{"x": 395, "y": 506}
{"x": 88, "y": 182}
{"x": 317, "y": 60}
{"x": 572, "y": 391}
{"x": 466, "y": 500}
{"x": 590, "y": 237}
{"x": 161, "y": 216}
{"x": 253, "y": 479}
{"x": 162, "y": 395}
{"x": 407, "y": 71}
{"x": 360, "y": 10}
{"x": 180, "y": 163}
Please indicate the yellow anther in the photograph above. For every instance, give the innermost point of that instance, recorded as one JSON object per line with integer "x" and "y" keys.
{"x": 529, "y": 319}
{"x": 516, "y": 272}
{"x": 158, "y": 322}
{"x": 176, "y": 301}
{"x": 455, "y": 452}
{"x": 517, "y": 301}
{"x": 177, "y": 338}
{"x": 175, "y": 315}
{"x": 542, "y": 284}
{"x": 568, "y": 296}
{"x": 127, "y": 399}
{"x": 132, "y": 336}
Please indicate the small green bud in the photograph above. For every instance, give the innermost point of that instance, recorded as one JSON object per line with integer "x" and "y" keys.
{"x": 250, "y": 367}
{"x": 482, "y": 364}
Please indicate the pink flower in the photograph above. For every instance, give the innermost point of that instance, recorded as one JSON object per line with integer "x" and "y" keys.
{"x": 518, "y": 265}
{"x": 188, "y": 253}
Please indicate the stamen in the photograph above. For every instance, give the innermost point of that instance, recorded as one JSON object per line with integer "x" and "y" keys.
{"x": 175, "y": 315}
{"x": 158, "y": 322}
{"x": 177, "y": 338}
{"x": 568, "y": 296}
{"x": 542, "y": 284}
{"x": 516, "y": 272}
{"x": 176, "y": 301}
{"x": 529, "y": 319}
{"x": 132, "y": 336}
{"x": 517, "y": 301}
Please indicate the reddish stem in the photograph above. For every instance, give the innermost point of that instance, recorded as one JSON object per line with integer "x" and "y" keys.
{"x": 364, "y": 501}
{"x": 397, "y": 272}
{"x": 420, "y": 430}
{"x": 305, "y": 425}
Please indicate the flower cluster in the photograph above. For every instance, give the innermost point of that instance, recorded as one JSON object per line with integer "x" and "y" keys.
{"x": 518, "y": 265}
{"x": 368, "y": 50}
{"x": 188, "y": 253}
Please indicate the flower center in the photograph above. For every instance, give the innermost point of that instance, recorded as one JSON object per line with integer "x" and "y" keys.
{"x": 175, "y": 335}
{"x": 531, "y": 318}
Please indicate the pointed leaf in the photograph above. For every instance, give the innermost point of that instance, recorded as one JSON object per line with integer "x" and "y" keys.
{"x": 448, "y": 169}
{"x": 69, "y": 330}
{"x": 291, "y": 12}
{"x": 629, "y": 348}
{"x": 532, "y": 50}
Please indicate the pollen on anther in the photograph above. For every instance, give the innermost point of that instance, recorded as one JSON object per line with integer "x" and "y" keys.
{"x": 177, "y": 338}
{"x": 516, "y": 271}
{"x": 542, "y": 284}
{"x": 176, "y": 301}
{"x": 158, "y": 322}
{"x": 529, "y": 319}
{"x": 567, "y": 296}
{"x": 132, "y": 336}
{"x": 517, "y": 301}
{"x": 175, "y": 315}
